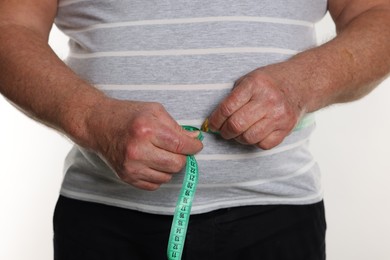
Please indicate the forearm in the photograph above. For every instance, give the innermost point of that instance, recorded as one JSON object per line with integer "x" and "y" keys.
{"x": 41, "y": 85}
{"x": 344, "y": 69}
{"x": 143, "y": 151}
{"x": 266, "y": 104}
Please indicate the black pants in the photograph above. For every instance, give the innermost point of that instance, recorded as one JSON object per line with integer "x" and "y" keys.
{"x": 91, "y": 231}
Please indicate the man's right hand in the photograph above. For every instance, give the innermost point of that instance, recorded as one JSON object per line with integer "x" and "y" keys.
{"x": 140, "y": 141}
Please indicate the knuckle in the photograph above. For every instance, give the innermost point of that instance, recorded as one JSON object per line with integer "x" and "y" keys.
{"x": 282, "y": 111}
{"x": 235, "y": 125}
{"x": 141, "y": 128}
{"x": 228, "y": 105}
{"x": 255, "y": 82}
{"x": 225, "y": 108}
{"x": 250, "y": 80}
{"x": 156, "y": 110}
{"x": 278, "y": 114}
{"x": 271, "y": 142}
{"x": 178, "y": 164}
{"x": 249, "y": 137}
{"x": 238, "y": 81}
{"x": 133, "y": 173}
{"x": 178, "y": 145}
{"x": 138, "y": 173}
{"x": 157, "y": 106}
{"x": 274, "y": 98}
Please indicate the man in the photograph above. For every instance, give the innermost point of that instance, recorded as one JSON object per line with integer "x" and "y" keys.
{"x": 139, "y": 69}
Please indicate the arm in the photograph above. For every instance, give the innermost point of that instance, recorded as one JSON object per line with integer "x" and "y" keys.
{"x": 42, "y": 86}
{"x": 342, "y": 70}
{"x": 34, "y": 79}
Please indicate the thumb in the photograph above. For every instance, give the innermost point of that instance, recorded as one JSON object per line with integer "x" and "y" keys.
{"x": 193, "y": 134}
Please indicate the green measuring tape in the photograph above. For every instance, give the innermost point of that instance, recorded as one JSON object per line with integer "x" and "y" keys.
{"x": 183, "y": 205}
{"x": 182, "y": 214}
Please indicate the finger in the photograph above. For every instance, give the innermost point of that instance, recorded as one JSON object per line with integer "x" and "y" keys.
{"x": 238, "y": 82}
{"x": 242, "y": 120}
{"x": 165, "y": 161}
{"x": 192, "y": 134}
{"x": 239, "y": 96}
{"x": 257, "y": 132}
{"x": 164, "y": 132}
{"x": 148, "y": 155}
{"x": 137, "y": 173}
{"x": 273, "y": 139}
{"x": 177, "y": 140}
{"x": 144, "y": 185}
{"x": 156, "y": 177}
{"x": 171, "y": 123}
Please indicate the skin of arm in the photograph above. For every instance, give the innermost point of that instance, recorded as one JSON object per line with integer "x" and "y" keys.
{"x": 139, "y": 140}
{"x": 266, "y": 104}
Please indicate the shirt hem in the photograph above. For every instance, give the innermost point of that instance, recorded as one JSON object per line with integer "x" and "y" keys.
{"x": 196, "y": 209}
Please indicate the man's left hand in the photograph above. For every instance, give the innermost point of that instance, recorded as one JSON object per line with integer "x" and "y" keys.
{"x": 259, "y": 111}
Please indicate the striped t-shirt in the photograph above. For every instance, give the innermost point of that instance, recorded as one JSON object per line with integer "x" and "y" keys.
{"x": 186, "y": 55}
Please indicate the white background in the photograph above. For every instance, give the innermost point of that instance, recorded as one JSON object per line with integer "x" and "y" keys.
{"x": 351, "y": 144}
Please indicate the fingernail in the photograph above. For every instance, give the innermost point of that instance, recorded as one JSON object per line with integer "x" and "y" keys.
{"x": 205, "y": 125}
{"x": 206, "y": 128}
{"x": 192, "y": 133}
